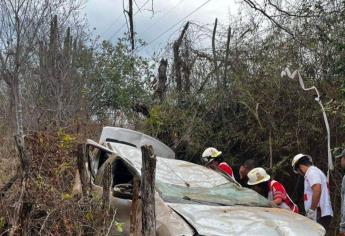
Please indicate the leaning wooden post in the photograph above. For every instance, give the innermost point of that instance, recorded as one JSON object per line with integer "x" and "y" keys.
{"x": 148, "y": 172}
{"x": 84, "y": 177}
{"x": 85, "y": 181}
{"x": 106, "y": 184}
{"x": 134, "y": 208}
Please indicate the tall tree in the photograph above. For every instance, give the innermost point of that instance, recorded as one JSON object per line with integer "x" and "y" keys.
{"x": 22, "y": 22}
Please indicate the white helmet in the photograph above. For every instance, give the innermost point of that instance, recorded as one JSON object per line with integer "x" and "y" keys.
{"x": 211, "y": 152}
{"x": 257, "y": 175}
{"x": 297, "y": 158}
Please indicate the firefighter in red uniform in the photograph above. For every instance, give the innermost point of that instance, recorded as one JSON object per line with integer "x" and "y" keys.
{"x": 214, "y": 160}
{"x": 271, "y": 189}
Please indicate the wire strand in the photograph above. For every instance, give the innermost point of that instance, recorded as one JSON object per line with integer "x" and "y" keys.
{"x": 124, "y": 24}
{"x": 173, "y": 26}
{"x": 162, "y": 17}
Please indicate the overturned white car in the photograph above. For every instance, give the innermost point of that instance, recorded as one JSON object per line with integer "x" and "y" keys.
{"x": 190, "y": 199}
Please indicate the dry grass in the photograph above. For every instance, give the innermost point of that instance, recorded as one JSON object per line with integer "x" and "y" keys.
{"x": 50, "y": 206}
{"x": 8, "y": 155}
{"x": 8, "y": 159}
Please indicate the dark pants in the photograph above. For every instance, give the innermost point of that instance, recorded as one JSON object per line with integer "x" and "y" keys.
{"x": 325, "y": 221}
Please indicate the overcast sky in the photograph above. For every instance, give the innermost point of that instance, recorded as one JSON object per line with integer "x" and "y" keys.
{"x": 107, "y": 17}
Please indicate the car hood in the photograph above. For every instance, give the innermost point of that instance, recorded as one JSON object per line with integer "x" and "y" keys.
{"x": 242, "y": 220}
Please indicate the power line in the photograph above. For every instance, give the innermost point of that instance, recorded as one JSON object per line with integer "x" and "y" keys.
{"x": 124, "y": 24}
{"x": 173, "y": 26}
{"x": 160, "y": 18}
{"x": 111, "y": 24}
{"x": 198, "y": 8}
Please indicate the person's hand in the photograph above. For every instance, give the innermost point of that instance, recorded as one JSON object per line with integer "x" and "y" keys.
{"x": 311, "y": 214}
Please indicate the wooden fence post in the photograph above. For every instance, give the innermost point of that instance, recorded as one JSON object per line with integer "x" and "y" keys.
{"x": 84, "y": 177}
{"x": 135, "y": 201}
{"x": 148, "y": 173}
{"x": 85, "y": 182}
{"x": 106, "y": 183}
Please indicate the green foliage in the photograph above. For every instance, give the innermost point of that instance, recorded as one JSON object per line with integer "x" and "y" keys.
{"x": 96, "y": 197}
{"x": 155, "y": 119}
{"x": 2, "y": 223}
{"x": 66, "y": 165}
{"x": 66, "y": 140}
{"x": 120, "y": 79}
{"x": 258, "y": 103}
{"x": 39, "y": 181}
{"x": 89, "y": 216}
{"x": 66, "y": 197}
{"x": 119, "y": 227}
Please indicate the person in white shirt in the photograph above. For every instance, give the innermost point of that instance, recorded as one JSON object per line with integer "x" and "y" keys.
{"x": 317, "y": 202}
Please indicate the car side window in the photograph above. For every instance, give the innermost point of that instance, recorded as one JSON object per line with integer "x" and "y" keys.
{"x": 103, "y": 156}
{"x": 96, "y": 158}
{"x": 122, "y": 180}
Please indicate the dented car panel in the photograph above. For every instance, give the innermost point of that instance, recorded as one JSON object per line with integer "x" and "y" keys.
{"x": 243, "y": 220}
{"x": 172, "y": 171}
{"x": 136, "y": 139}
{"x": 191, "y": 199}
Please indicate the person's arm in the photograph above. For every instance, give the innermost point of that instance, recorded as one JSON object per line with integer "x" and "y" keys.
{"x": 278, "y": 201}
{"x": 316, "y": 196}
{"x": 315, "y": 179}
{"x": 279, "y": 193}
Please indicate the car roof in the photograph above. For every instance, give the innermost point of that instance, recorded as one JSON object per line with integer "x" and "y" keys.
{"x": 171, "y": 171}
{"x": 137, "y": 139}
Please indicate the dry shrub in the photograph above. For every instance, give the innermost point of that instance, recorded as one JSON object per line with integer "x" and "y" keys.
{"x": 8, "y": 159}
{"x": 50, "y": 207}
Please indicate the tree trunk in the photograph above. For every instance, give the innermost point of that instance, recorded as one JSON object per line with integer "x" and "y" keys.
{"x": 9, "y": 184}
{"x": 17, "y": 98}
{"x": 215, "y": 60}
{"x": 178, "y": 63}
{"x": 271, "y": 149}
{"x": 148, "y": 173}
{"x": 225, "y": 90}
{"x": 12, "y": 108}
{"x": 227, "y": 52}
{"x": 186, "y": 68}
{"x": 19, "y": 212}
{"x": 162, "y": 79}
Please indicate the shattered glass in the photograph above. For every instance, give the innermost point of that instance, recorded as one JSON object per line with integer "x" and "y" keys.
{"x": 228, "y": 194}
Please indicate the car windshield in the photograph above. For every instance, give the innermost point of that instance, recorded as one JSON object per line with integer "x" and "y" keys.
{"x": 228, "y": 194}
{"x": 180, "y": 181}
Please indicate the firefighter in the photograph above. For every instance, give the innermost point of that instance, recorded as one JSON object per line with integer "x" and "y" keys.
{"x": 317, "y": 202}
{"x": 274, "y": 191}
{"x": 214, "y": 160}
{"x": 241, "y": 171}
